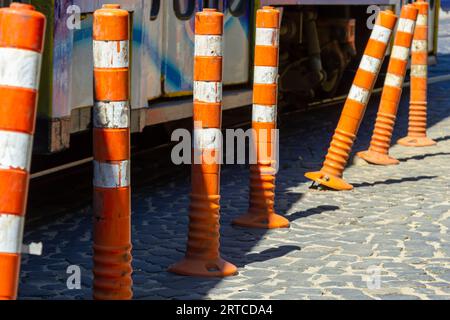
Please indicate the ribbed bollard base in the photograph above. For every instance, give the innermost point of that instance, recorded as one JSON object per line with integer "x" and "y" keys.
{"x": 204, "y": 268}
{"x": 330, "y": 181}
{"x": 416, "y": 142}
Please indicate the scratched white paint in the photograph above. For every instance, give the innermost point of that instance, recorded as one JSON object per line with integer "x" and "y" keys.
{"x": 265, "y": 75}
{"x": 111, "y": 115}
{"x": 370, "y": 64}
{"x": 267, "y": 37}
{"x": 19, "y": 68}
{"x": 400, "y": 53}
{"x": 381, "y": 33}
{"x": 208, "y": 46}
{"x": 422, "y": 20}
{"x": 111, "y": 174}
{"x": 419, "y": 71}
{"x": 358, "y": 94}
{"x": 420, "y": 46}
{"x": 111, "y": 54}
{"x": 393, "y": 80}
{"x": 207, "y": 139}
{"x": 11, "y": 233}
{"x": 15, "y": 150}
{"x": 208, "y": 91}
{"x": 264, "y": 114}
{"x": 406, "y": 25}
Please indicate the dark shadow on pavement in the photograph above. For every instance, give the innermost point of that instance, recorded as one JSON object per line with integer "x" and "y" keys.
{"x": 424, "y": 156}
{"x": 393, "y": 181}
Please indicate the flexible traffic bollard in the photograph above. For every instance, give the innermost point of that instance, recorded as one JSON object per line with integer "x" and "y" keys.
{"x": 261, "y": 213}
{"x": 378, "y": 152}
{"x": 341, "y": 145}
{"x": 202, "y": 256}
{"x": 417, "y": 130}
{"x": 22, "y": 31}
{"x": 112, "y": 212}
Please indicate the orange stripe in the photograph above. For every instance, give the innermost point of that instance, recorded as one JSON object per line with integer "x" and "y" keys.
{"x": 397, "y": 67}
{"x": 263, "y": 131}
{"x": 364, "y": 79}
{"x": 111, "y": 144}
{"x": 111, "y": 25}
{"x": 422, "y": 6}
{"x": 9, "y": 275}
{"x": 208, "y": 69}
{"x": 24, "y": 29}
{"x": 209, "y": 114}
{"x": 13, "y": 191}
{"x": 17, "y": 109}
{"x": 403, "y": 39}
{"x": 112, "y": 209}
{"x": 351, "y": 116}
{"x": 421, "y": 33}
{"x": 265, "y": 94}
{"x": 419, "y": 84}
{"x": 266, "y": 56}
{"x": 203, "y": 162}
{"x": 391, "y": 94}
{"x": 205, "y": 183}
{"x": 409, "y": 11}
{"x": 376, "y": 49}
{"x": 209, "y": 22}
{"x": 387, "y": 19}
{"x": 264, "y": 152}
{"x": 111, "y": 84}
{"x": 268, "y": 17}
{"x": 419, "y": 58}
{"x": 388, "y": 106}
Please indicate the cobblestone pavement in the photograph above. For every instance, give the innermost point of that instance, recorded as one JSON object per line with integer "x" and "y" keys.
{"x": 394, "y": 227}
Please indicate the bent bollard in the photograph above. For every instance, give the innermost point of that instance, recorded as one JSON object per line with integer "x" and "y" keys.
{"x": 341, "y": 145}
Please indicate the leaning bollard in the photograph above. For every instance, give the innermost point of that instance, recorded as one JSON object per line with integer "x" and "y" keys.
{"x": 341, "y": 145}
{"x": 378, "y": 152}
{"x": 261, "y": 213}
{"x": 112, "y": 213}
{"x": 22, "y": 31}
{"x": 417, "y": 130}
{"x": 202, "y": 257}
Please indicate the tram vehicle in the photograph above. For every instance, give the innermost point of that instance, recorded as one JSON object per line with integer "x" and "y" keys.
{"x": 320, "y": 40}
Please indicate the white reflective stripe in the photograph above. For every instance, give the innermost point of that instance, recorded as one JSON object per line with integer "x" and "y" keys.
{"x": 420, "y": 46}
{"x": 207, "y": 139}
{"x": 19, "y": 68}
{"x": 264, "y": 114}
{"x": 11, "y": 233}
{"x": 112, "y": 115}
{"x": 422, "y": 20}
{"x": 111, "y": 54}
{"x": 419, "y": 71}
{"x": 381, "y": 33}
{"x": 15, "y": 150}
{"x": 265, "y": 75}
{"x": 406, "y": 25}
{"x": 111, "y": 174}
{"x": 208, "y": 46}
{"x": 208, "y": 91}
{"x": 267, "y": 37}
{"x": 370, "y": 64}
{"x": 400, "y": 53}
{"x": 393, "y": 80}
{"x": 359, "y": 94}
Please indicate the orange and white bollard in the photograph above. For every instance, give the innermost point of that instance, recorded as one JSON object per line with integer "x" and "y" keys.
{"x": 417, "y": 130}
{"x": 22, "y": 31}
{"x": 378, "y": 152}
{"x": 261, "y": 213}
{"x": 341, "y": 145}
{"x": 202, "y": 256}
{"x": 112, "y": 208}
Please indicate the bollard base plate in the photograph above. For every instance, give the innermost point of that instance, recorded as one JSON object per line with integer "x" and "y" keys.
{"x": 218, "y": 268}
{"x": 329, "y": 181}
{"x": 416, "y": 142}
{"x": 261, "y": 221}
{"x": 378, "y": 158}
